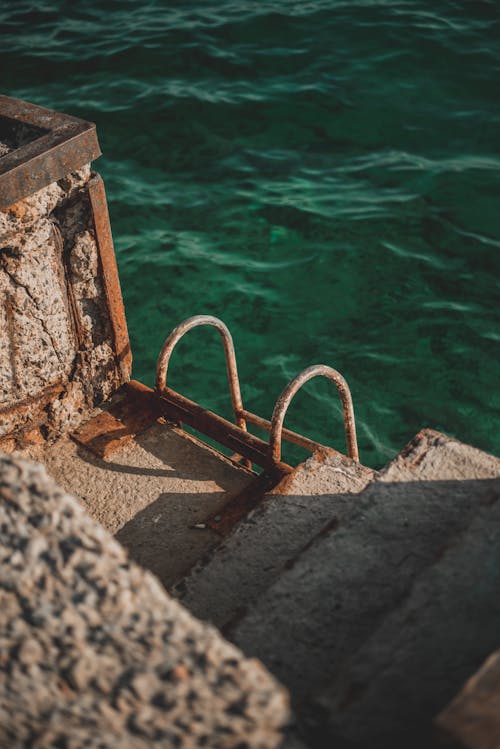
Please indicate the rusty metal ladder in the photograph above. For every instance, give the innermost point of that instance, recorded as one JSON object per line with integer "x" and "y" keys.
{"x": 235, "y": 436}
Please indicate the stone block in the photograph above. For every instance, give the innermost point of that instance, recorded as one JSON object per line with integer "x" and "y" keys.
{"x": 60, "y": 303}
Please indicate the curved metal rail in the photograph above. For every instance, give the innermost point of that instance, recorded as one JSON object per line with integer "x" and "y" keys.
{"x": 264, "y": 454}
{"x": 232, "y": 369}
{"x": 281, "y": 407}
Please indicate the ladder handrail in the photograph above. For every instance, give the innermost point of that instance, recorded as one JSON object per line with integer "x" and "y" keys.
{"x": 275, "y": 426}
{"x": 283, "y": 402}
{"x": 227, "y": 341}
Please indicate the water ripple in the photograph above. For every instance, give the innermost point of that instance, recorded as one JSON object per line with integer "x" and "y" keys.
{"x": 323, "y": 174}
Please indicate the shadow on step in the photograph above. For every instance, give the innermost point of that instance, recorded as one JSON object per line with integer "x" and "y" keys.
{"x": 182, "y": 457}
{"x": 376, "y": 623}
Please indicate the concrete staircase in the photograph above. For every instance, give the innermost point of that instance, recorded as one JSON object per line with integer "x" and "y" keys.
{"x": 372, "y": 597}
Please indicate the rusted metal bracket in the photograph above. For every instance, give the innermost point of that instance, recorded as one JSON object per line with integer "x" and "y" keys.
{"x": 134, "y": 409}
{"x": 53, "y": 145}
{"x": 266, "y": 455}
{"x": 177, "y": 408}
{"x": 111, "y": 279}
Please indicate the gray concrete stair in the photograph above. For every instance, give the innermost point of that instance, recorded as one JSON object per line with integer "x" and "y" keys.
{"x": 320, "y": 492}
{"x": 334, "y": 597}
{"x": 424, "y": 650}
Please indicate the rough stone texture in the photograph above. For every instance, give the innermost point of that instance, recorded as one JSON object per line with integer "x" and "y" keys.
{"x": 37, "y": 345}
{"x": 293, "y": 741}
{"x": 323, "y": 608}
{"x": 473, "y": 718}
{"x": 152, "y": 493}
{"x": 54, "y": 327}
{"x": 319, "y": 492}
{"x": 4, "y": 149}
{"x": 432, "y": 456}
{"x": 94, "y": 653}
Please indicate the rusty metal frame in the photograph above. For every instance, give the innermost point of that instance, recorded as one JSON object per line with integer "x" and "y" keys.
{"x": 267, "y": 455}
{"x": 179, "y": 409}
{"x": 111, "y": 279}
{"x": 64, "y": 144}
{"x": 288, "y": 434}
{"x": 55, "y": 145}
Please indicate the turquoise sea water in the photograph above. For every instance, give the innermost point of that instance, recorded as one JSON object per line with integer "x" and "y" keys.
{"x": 324, "y": 175}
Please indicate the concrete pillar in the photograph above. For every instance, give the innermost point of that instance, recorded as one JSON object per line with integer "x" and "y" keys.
{"x": 63, "y": 338}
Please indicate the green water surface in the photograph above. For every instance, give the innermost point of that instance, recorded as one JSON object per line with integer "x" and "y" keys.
{"x": 323, "y": 175}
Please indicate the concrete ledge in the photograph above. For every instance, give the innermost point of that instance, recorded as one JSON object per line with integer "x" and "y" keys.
{"x": 93, "y": 651}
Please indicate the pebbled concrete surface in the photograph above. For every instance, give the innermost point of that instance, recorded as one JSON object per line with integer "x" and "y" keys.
{"x": 151, "y": 493}
{"x": 323, "y": 608}
{"x": 94, "y": 653}
{"x": 224, "y": 585}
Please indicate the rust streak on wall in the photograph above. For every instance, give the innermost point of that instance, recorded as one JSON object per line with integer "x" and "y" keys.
{"x": 74, "y": 316}
{"x": 40, "y": 400}
{"x": 10, "y": 334}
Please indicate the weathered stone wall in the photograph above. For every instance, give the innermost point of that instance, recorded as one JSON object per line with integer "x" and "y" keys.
{"x": 56, "y": 346}
{"x": 94, "y": 653}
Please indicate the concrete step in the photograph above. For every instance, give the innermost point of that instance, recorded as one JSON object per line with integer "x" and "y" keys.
{"x": 424, "y": 650}
{"x": 320, "y": 492}
{"x": 324, "y": 607}
{"x": 153, "y": 493}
